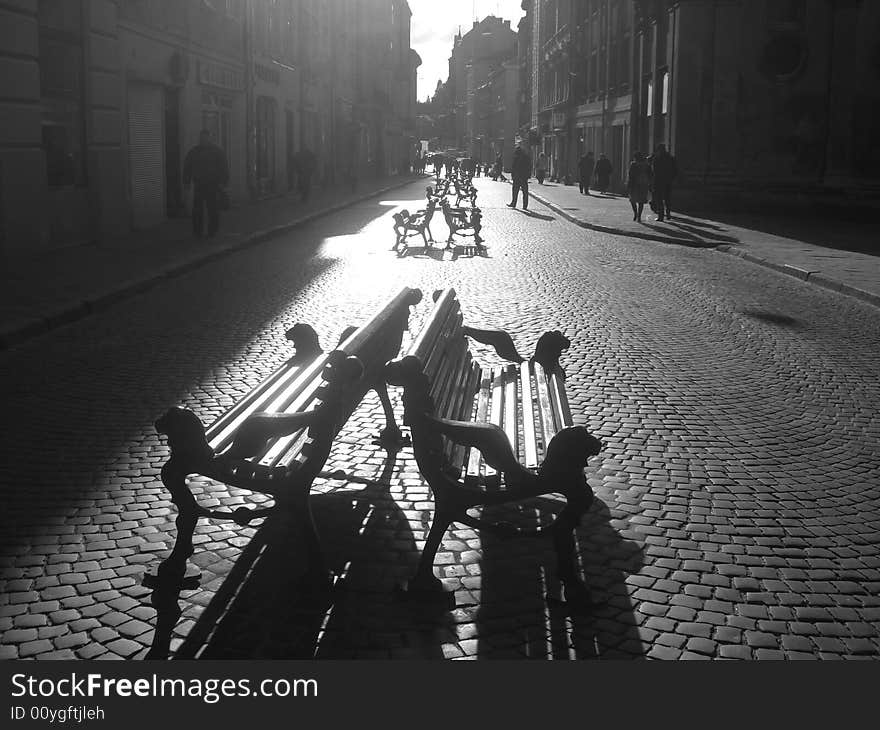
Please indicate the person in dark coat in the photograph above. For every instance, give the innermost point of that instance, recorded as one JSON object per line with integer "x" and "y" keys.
{"x": 603, "y": 172}
{"x": 638, "y": 184}
{"x": 520, "y": 172}
{"x": 306, "y": 164}
{"x": 665, "y": 171}
{"x": 206, "y": 168}
{"x": 585, "y": 172}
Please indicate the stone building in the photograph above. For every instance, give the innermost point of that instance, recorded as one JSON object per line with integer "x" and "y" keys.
{"x": 761, "y": 94}
{"x": 62, "y": 140}
{"x": 475, "y": 55}
{"x": 100, "y": 100}
{"x": 748, "y": 94}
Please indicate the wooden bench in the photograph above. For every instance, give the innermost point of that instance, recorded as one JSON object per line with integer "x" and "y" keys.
{"x": 491, "y": 435}
{"x": 276, "y": 439}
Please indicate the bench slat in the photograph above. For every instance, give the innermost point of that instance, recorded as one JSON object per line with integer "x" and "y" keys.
{"x": 496, "y": 411}
{"x": 263, "y": 392}
{"x": 465, "y": 413}
{"x": 560, "y": 401}
{"x": 457, "y": 383}
{"x": 510, "y": 407}
{"x": 438, "y": 354}
{"x": 459, "y": 392}
{"x": 445, "y": 304}
{"x": 278, "y": 400}
{"x": 473, "y": 459}
{"x": 445, "y": 382}
{"x": 545, "y": 409}
{"x": 529, "y": 446}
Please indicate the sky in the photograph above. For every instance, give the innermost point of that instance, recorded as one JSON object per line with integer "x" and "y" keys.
{"x": 434, "y": 25}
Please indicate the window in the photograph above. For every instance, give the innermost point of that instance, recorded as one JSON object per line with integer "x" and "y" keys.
{"x": 61, "y": 92}
{"x": 649, "y": 98}
{"x": 664, "y": 92}
{"x": 217, "y": 119}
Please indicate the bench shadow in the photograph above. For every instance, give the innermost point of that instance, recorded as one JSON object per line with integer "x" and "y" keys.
{"x": 517, "y": 575}
{"x": 427, "y": 252}
{"x": 469, "y": 251}
{"x": 264, "y": 611}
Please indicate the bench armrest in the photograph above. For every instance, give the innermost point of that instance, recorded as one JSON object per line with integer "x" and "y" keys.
{"x": 259, "y": 428}
{"x": 488, "y": 438}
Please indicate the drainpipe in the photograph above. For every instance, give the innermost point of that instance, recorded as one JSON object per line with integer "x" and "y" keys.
{"x": 829, "y": 93}
{"x": 711, "y": 72}
{"x": 250, "y": 158}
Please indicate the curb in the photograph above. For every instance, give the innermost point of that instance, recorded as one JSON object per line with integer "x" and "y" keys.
{"x": 813, "y": 277}
{"x": 26, "y": 328}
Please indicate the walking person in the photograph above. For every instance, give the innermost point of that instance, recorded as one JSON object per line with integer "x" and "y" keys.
{"x": 521, "y": 170}
{"x": 585, "y": 172}
{"x": 306, "y": 163}
{"x": 603, "y": 172}
{"x": 541, "y": 168}
{"x": 207, "y": 169}
{"x": 664, "y": 170}
{"x": 638, "y": 184}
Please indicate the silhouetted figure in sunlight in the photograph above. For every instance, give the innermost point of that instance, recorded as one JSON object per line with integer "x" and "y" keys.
{"x": 541, "y": 168}
{"x": 638, "y": 184}
{"x": 603, "y": 172}
{"x": 665, "y": 171}
{"x": 522, "y": 168}
{"x": 585, "y": 172}
{"x": 207, "y": 169}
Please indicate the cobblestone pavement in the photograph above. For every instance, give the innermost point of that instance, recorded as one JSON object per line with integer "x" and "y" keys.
{"x": 737, "y": 512}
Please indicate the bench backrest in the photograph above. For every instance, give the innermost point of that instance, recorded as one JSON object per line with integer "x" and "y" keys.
{"x": 309, "y": 387}
{"x": 526, "y": 401}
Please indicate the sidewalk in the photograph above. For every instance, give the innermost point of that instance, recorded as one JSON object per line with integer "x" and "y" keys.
{"x": 44, "y": 291}
{"x": 833, "y": 254}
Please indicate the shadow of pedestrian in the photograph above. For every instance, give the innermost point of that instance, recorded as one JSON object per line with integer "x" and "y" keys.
{"x": 683, "y": 236}
{"x": 518, "y": 619}
{"x": 533, "y": 214}
{"x": 717, "y": 237}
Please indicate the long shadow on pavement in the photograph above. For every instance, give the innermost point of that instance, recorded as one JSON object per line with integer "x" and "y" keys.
{"x": 517, "y": 620}
{"x": 369, "y": 546}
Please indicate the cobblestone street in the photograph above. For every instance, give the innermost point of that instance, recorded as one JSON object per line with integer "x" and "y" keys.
{"x": 738, "y": 496}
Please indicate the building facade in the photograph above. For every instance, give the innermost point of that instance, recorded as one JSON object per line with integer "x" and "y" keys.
{"x": 749, "y": 94}
{"x": 100, "y": 101}
{"x": 475, "y": 56}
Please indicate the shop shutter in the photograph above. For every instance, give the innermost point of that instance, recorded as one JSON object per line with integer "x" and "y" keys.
{"x": 146, "y": 155}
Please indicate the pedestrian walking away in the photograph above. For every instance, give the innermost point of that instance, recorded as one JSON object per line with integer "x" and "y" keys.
{"x": 603, "y": 172}
{"x": 585, "y": 172}
{"x": 207, "y": 169}
{"x": 541, "y": 168}
{"x": 522, "y": 168}
{"x": 638, "y": 184}
{"x": 664, "y": 171}
{"x": 306, "y": 164}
